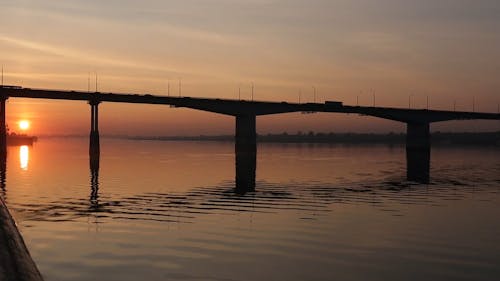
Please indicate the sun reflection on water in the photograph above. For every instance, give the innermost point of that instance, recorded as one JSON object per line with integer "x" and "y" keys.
{"x": 24, "y": 157}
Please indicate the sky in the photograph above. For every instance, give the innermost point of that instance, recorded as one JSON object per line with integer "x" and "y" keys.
{"x": 401, "y": 52}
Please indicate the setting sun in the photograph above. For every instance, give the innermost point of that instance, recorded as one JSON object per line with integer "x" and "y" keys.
{"x": 24, "y": 125}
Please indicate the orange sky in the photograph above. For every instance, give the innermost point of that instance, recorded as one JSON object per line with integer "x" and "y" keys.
{"x": 447, "y": 50}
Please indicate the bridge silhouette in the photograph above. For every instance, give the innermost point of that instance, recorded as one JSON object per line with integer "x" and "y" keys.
{"x": 245, "y": 112}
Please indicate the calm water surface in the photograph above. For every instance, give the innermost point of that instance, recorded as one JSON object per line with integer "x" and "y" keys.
{"x": 168, "y": 211}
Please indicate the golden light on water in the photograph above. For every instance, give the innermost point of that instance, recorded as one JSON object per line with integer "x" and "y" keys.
{"x": 24, "y": 125}
{"x": 24, "y": 157}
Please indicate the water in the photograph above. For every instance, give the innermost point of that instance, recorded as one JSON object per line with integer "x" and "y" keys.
{"x": 168, "y": 211}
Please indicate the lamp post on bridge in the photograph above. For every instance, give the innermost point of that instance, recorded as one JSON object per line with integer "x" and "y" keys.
{"x": 252, "y": 90}
{"x": 357, "y": 97}
{"x": 180, "y": 88}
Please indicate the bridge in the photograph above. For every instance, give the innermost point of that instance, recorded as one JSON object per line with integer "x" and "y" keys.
{"x": 418, "y": 122}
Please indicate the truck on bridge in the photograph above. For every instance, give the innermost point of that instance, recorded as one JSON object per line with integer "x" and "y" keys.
{"x": 333, "y": 103}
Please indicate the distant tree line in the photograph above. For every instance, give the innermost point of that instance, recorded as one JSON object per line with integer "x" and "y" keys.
{"x": 312, "y": 137}
{"x": 483, "y": 138}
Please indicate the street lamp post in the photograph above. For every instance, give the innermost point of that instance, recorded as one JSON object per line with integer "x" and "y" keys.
{"x": 252, "y": 91}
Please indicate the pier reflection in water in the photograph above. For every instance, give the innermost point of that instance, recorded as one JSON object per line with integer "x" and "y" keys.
{"x": 3, "y": 171}
{"x": 418, "y": 165}
{"x": 94, "y": 181}
{"x": 170, "y": 211}
{"x": 246, "y": 166}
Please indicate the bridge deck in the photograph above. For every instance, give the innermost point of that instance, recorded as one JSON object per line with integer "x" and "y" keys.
{"x": 243, "y": 107}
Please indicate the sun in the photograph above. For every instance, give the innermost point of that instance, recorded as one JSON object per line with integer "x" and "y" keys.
{"x": 24, "y": 125}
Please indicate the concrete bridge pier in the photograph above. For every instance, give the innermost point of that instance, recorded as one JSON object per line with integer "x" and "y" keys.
{"x": 418, "y": 152}
{"x": 3, "y": 125}
{"x": 246, "y": 153}
{"x": 94, "y": 153}
{"x": 94, "y": 146}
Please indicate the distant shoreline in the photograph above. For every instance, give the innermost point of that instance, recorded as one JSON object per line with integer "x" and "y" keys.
{"x": 479, "y": 138}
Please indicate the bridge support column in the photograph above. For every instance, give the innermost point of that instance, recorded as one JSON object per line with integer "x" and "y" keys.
{"x": 3, "y": 126}
{"x": 246, "y": 153}
{"x": 94, "y": 146}
{"x": 418, "y": 152}
{"x": 94, "y": 154}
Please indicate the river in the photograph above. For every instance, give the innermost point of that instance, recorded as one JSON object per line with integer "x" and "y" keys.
{"x": 165, "y": 210}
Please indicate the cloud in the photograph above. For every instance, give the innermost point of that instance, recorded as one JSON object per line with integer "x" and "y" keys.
{"x": 80, "y": 56}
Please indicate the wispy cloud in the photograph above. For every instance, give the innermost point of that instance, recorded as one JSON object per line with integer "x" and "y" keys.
{"x": 74, "y": 54}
